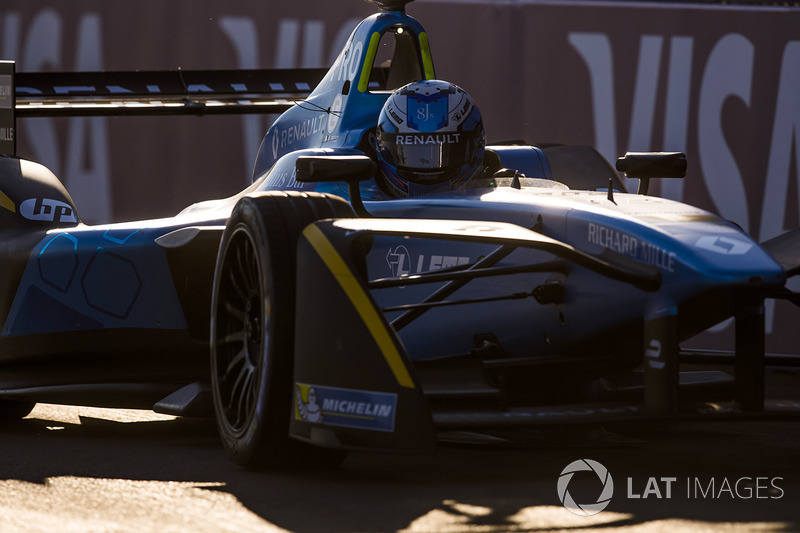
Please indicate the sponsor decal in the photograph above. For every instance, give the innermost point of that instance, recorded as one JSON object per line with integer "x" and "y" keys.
{"x": 458, "y": 115}
{"x": 395, "y": 117}
{"x": 440, "y": 138}
{"x": 45, "y": 209}
{"x": 400, "y": 262}
{"x": 352, "y": 408}
{"x": 286, "y": 180}
{"x": 276, "y": 144}
{"x": 723, "y": 245}
{"x": 427, "y": 116}
{"x": 440, "y": 262}
{"x": 335, "y": 113}
{"x": 289, "y": 136}
{"x": 350, "y": 61}
{"x": 629, "y": 245}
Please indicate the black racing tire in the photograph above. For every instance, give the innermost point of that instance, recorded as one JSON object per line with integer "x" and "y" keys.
{"x": 13, "y": 410}
{"x": 253, "y": 328}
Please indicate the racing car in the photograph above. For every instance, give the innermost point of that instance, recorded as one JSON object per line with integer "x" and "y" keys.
{"x": 313, "y": 313}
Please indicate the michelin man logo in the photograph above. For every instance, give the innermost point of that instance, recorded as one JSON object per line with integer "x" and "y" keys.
{"x": 585, "y": 509}
{"x": 308, "y": 409}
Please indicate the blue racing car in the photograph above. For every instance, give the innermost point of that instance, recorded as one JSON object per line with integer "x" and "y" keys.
{"x": 389, "y": 279}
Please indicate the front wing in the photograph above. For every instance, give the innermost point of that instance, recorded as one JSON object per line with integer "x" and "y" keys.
{"x": 357, "y": 388}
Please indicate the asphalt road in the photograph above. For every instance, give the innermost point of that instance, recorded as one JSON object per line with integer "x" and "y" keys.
{"x": 77, "y": 469}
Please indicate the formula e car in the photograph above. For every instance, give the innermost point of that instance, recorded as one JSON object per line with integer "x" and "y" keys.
{"x": 339, "y": 319}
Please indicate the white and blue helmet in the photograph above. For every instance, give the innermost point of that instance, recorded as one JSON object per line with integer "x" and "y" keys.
{"x": 429, "y": 138}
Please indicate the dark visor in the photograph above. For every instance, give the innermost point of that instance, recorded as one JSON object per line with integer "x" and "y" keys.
{"x": 429, "y": 151}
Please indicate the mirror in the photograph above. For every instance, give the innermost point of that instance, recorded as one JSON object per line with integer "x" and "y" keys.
{"x": 646, "y": 165}
{"x": 346, "y": 168}
{"x": 653, "y": 164}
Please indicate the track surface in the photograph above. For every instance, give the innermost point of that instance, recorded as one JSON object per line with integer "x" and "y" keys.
{"x": 78, "y": 469}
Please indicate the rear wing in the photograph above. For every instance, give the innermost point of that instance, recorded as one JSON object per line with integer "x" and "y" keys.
{"x": 176, "y": 92}
{"x": 147, "y": 93}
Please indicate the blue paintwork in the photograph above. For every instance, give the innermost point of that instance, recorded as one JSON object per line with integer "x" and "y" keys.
{"x": 696, "y": 251}
{"x": 96, "y": 278}
{"x": 309, "y": 126}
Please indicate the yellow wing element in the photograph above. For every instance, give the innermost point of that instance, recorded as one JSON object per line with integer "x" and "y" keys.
{"x": 7, "y": 203}
{"x": 361, "y": 302}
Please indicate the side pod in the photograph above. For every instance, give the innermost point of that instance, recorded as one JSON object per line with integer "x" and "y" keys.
{"x": 354, "y": 384}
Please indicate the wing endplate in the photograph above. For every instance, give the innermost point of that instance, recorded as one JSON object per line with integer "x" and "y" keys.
{"x": 354, "y": 384}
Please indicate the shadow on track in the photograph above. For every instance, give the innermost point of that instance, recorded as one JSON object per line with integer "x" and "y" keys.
{"x": 460, "y": 488}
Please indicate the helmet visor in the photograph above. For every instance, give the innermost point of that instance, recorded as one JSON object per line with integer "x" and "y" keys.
{"x": 429, "y": 151}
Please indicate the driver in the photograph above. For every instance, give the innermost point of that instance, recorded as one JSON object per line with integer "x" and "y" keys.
{"x": 430, "y": 138}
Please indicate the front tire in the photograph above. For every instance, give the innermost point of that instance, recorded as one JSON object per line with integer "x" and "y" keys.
{"x": 253, "y": 328}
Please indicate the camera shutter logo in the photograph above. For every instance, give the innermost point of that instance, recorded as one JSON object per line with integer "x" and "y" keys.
{"x": 585, "y": 509}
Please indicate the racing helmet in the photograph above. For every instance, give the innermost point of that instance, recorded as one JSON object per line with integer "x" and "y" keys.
{"x": 429, "y": 138}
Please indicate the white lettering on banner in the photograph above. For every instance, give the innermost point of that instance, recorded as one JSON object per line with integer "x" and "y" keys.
{"x": 288, "y": 35}
{"x": 242, "y": 33}
{"x": 287, "y": 49}
{"x": 595, "y": 50}
{"x": 87, "y": 172}
{"x": 287, "y": 44}
{"x": 41, "y": 50}
{"x": 785, "y": 144}
{"x": 84, "y": 164}
{"x": 676, "y": 119}
{"x": 785, "y": 132}
{"x": 644, "y": 95}
{"x": 729, "y": 72}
